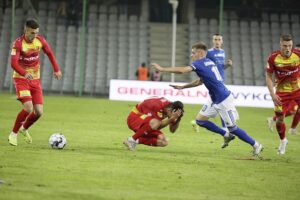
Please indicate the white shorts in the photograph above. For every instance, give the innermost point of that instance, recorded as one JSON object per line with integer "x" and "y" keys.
{"x": 226, "y": 109}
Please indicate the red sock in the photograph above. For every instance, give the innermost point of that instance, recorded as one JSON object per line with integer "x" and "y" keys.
{"x": 281, "y": 130}
{"x": 32, "y": 117}
{"x": 148, "y": 141}
{"x": 274, "y": 118}
{"x": 21, "y": 117}
{"x": 296, "y": 119}
{"x": 144, "y": 129}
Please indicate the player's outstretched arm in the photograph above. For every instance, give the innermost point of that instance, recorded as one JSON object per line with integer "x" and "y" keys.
{"x": 194, "y": 83}
{"x": 176, "y": 70}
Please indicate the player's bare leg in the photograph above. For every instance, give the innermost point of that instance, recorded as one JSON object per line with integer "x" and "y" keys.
{"x": 30, "y": 120}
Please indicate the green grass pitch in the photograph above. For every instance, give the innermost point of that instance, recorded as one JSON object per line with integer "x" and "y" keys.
{"x": 95, "y": 164}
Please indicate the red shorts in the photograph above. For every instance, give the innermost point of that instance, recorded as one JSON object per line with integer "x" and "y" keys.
{"x": 290, "y": 102}
{"x": 135, "y": 121}
{"x": 29, "y": 90}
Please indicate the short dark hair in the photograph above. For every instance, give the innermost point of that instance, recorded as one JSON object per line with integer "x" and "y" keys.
{"x": 199, "y": 45}
{"x": 217, "y": 34}
{"x": 286, "y": 37}
{"x": 176, "y": 105}
{"x": 31, "y": 23}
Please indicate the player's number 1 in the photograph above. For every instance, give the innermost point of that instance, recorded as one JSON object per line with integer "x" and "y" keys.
{"x": 215, "y": 70}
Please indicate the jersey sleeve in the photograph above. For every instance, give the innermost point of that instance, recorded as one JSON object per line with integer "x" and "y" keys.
{"x": 50, "y": 54}
{"x": 15, "y": 56}
{"x": 193, "y": 66}
{"x": 210, "y": 56}
{"x": 270, "y": 64}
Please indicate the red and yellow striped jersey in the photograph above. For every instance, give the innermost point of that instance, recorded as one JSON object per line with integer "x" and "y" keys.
{"x": 25, "y": 56}
{"x": 287, "y": 71}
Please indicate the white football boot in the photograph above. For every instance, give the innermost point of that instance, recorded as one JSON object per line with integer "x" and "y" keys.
{"x": 130, "y": 143}
{"x": 257, "y": 148}
{"x": 282, "y": 146}
{"x": 293, "y": 131}
{"x": 271, "y": 123}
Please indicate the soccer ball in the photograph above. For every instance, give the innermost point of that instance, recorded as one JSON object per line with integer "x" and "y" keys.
{"x": 57, "y": 141}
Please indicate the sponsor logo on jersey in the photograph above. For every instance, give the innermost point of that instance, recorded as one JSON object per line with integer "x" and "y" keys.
{"x": 30, "y": 58}
{"x": 287, "y": 73}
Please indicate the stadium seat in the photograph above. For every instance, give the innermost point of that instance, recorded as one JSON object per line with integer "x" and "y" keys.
{"x": 274, "y": 17}
{"x": 43, "y": 5}
{"x": 93, "y": 8}
{"x": 284, "y": 17}
{"x": 295, "y": 18}
{"x": 265, "y": 16}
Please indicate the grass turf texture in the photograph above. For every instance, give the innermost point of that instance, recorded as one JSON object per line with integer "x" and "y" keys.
{"x": 95, "y": 164}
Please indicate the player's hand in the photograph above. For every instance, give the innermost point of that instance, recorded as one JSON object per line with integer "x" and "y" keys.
{"x": 156, "y": 66}
{"x": 28, "y": 76}
{"x": 276, "y": 99}
{"x": 177, "y": 113}
{"x": 178, "y": 87}
{"x": 229, "y": 62}
{"x": 57, "y": 75}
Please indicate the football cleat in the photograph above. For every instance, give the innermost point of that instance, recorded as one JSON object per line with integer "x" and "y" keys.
{"x": 271, "y": 123}
{"x": 282, "y": 146}
{"x": 13, "y": 139}
{"x": 195, "y": 126}
{"x": 257, "y": 149}
{"x": 130, "y": 143}
{"x": 227, "y": 140}
{"x": 26, "y": 135}
{"x": 293, "y": 131}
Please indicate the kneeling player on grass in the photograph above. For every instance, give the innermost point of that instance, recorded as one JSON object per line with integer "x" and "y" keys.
{"x": 147, "y": 119}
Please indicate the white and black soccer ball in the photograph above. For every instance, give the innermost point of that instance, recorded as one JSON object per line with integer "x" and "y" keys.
{"x": 57, "y": 141}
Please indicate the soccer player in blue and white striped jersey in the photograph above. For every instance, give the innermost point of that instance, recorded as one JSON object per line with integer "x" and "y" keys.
{"x": 222, "y": 99}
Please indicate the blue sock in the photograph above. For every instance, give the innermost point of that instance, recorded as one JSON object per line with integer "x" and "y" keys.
{"x": 211, "y": 127}
{"x": 242, "y": 135}
{"x": 223, "y": 123}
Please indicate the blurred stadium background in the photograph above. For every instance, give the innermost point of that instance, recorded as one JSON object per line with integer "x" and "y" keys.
{"x": 98, "y": 40}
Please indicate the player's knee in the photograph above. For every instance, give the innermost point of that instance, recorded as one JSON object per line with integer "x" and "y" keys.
{"x": 162, "y": 140}
{"x": 201, "y": 122}
{"x": 28, "y": 108}
{"x": 38, "y": 112}
{"x": 162, "y": 143}
{"x": 202, "y": 117}
{"x": 165, "y": 143}
{"x": 280, "y": 119}
{"x": 232, "y": 128}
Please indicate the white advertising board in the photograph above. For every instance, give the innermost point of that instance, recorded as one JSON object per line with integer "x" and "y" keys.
{"x": 131, "y": 90}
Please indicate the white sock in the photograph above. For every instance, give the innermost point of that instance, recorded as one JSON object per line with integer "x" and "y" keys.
{"x": 226, "y": 134}
{"x": 256, "y": 144}
{"x": 284, "y": 140}
{"x": 14, "y": 134}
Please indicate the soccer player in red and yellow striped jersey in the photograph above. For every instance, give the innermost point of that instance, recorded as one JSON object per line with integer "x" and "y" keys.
{"x": 285, "y": 65}
{"x": 25, "y": 61}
